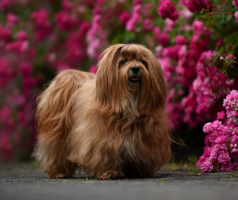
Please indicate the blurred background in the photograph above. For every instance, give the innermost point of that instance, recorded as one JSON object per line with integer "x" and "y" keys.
{"x": 194, "y": 40}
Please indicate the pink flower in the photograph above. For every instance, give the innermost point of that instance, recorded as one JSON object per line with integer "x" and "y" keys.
{"x": 224, "y": 158}
{"x": 25, "y": 69}
{"x": 227, "y": 167}
{"x": 207, "y": 128}
{"x": 27, "y": 84}
{"x": 5, "y": 34}
{"x": 216, "y": 124}
{"x": 234, "y": 139}
{"x": 5, "y": 3}
{"x": 169, "y": 25}
{"x": 235, "y": 3}
{"x": 221, "y": 139}
{"x": 213, "y": 154}
{"x": 16, "y": 98}
{"x": 186, "y": 13}
{"x": 197, "y": 6}
{"x": 167, "y": 9}
{"x": 11, "y": 19}
{"x": 206, "y": 166}
{"x": 167, "y": 68}
{"x": 51, "y": 57}
{"x": 75, "y": 53}
{"x": 94, "y": 28}
{"x": 62, "y": 66}
{"x": 161, "y": 37}
{"x": 5, "y": 114}
{"x": 67, "y": 5}
{"x": 6, "y": 73}
{"x": 181, "y": 40}
{"x": 40, "y": 16}
{"x": 22, "y": 35}
{"x": 124, "y": 17}
{"x": 188, "y": 103}
{"x": 18, "y": 46}
{"x": 42, "y": 25}
{"x": 147, "y": 24}
{"x": 172, "y": 51}
{"x": 198, "y": 26}
{"x": 93, "y": 48}
{"x": 199, "y": 41}
{"x": 230, "y": 56}
{"x": 137, "y": 2}
{"x": 148, "y": 8}
{"x": 236, "y": 16}
{"x": 130, "y": 25}
{"x": 93, "y": 69}
{"x": 64, "y": 20}
{"x": 221, "y": 115}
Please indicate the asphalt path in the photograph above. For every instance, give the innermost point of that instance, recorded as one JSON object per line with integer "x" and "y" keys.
{"x": 26, "y": 181}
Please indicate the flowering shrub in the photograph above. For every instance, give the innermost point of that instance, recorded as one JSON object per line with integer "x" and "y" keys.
{"x": 221, "y": 150}
{"x": 38, "y": 38}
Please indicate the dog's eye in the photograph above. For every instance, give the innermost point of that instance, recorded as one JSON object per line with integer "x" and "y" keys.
{"x": 124, "y": 61}
{"x": 142, "y": 61}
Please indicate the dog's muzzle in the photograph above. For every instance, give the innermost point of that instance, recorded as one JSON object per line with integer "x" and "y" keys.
{"x": 134, "y": 74}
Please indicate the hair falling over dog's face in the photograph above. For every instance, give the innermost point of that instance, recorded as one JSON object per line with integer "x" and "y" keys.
{"x": 130, "y": 73}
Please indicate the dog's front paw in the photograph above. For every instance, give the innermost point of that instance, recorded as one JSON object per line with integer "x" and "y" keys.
{"x": 110, "y": 175}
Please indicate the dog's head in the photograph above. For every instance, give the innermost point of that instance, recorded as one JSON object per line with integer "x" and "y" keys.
{"x": 130, "y": 77}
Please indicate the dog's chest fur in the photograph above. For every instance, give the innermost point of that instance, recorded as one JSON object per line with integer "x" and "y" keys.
{"x": 132, "y": 154}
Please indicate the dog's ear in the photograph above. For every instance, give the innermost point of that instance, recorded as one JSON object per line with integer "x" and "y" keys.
{"x": 107, "y": 74}
{"x": 158, "y": 84}
{"x": 154, "y": 87}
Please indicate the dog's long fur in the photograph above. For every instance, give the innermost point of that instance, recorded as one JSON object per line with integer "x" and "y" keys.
{"x": 105, "y": 124}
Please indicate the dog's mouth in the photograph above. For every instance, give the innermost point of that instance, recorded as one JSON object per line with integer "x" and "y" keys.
{"x": 134, "y": 79}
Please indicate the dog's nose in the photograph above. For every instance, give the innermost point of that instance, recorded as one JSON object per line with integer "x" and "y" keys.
{"x": 135, "y": 69}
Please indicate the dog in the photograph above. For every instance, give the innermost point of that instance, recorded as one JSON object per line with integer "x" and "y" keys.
{"x": 112, "y": 125}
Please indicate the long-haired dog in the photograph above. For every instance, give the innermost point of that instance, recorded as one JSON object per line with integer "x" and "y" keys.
{"x": 112, "y": 125}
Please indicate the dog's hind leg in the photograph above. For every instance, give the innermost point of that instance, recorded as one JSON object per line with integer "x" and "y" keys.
{"x": 52, "y": 156}
{"x": 54, "y": 123}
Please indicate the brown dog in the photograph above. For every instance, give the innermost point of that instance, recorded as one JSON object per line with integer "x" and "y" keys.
{"x": 112, "y": 125}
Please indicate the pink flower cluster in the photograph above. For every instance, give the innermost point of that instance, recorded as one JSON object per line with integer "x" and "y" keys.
{"x": 236, "y": 16}
{"x": 18, "y": 86}
{"x": 140, "y": 19}
{"x": 221, "y": 150}
{"x": 131, "y": 23}
{"x": 31, "y": 50}
{"x": 235, "y": 3}
{"x": 188, "y": 66}
{"x": 209, "y": 87}
{"x": 196, "y": 6}
{"x": 167, "y": 9}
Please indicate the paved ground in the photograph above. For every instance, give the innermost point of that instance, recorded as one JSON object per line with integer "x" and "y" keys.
{"x": 26, "y": 181}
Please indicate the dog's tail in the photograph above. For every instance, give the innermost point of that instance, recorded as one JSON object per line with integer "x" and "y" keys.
{"x": 54, "y": 105}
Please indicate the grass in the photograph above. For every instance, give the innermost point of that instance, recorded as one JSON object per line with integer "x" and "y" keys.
{"x": 34, "y": 166}
{"x": 89, "y": 179}
{"x": 189, "y": 165}
{"x": 234, "y": 174}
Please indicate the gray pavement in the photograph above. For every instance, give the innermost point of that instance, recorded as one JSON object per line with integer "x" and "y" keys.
{"x": 26, "y": 181}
